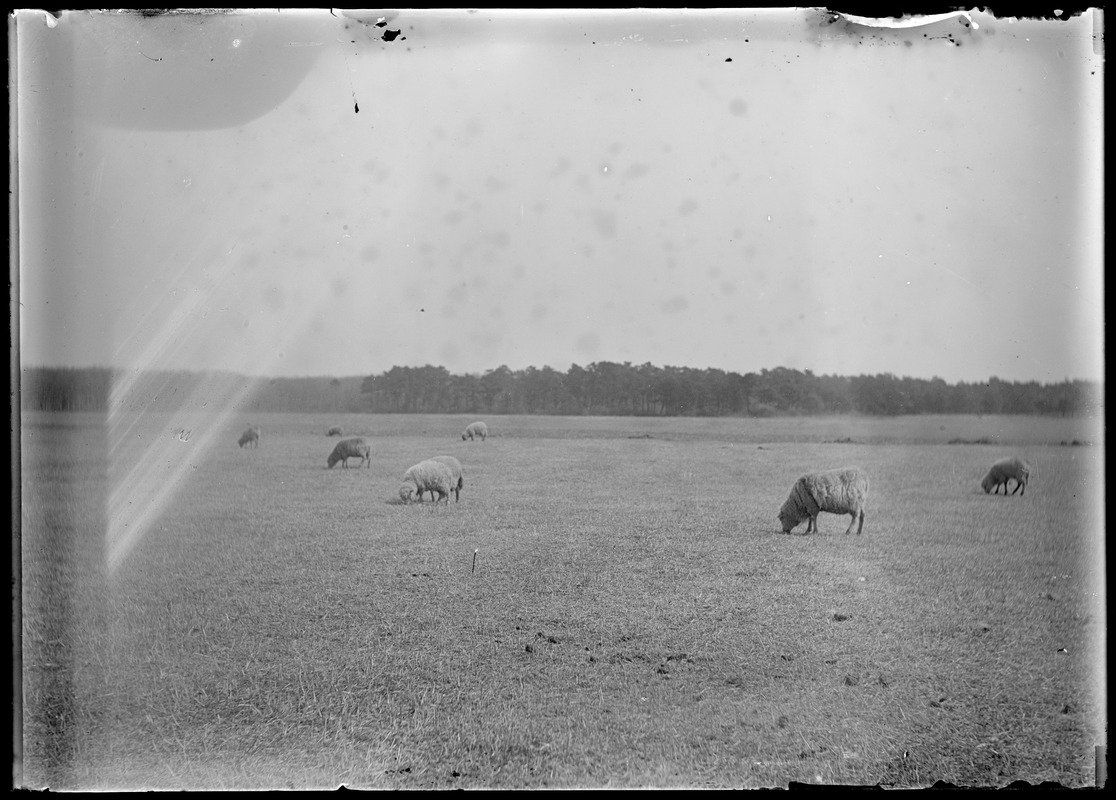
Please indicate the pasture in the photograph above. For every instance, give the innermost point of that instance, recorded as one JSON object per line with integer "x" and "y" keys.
{"x": 611, "y": 604}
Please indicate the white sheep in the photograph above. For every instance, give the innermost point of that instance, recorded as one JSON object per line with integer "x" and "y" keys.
{"x": 837, "y": 491}
{"x": 458, "y": 476}
{"x": 357, "y": 447}
{"x": 250, "y": 437}
{"x": 1005, "y": 470}
{"x": 475, "y": 430}
{"x": 427, "y": 476}
{"x": 335, "y": 431}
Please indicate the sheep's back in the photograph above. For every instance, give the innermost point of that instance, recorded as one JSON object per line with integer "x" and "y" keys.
{"x": 430, "y": 475}
{"x": 1010, "y": 467}
{"x": 838, "y": 491}
{"x": 351, "y": 448}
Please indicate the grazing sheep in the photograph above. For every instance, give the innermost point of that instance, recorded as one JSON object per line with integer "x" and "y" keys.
{"x": 837, "y": 491}
{"x": 250, "y": 437}
{"x": 475, "y": 430}
{"x": 427, "y": 476}
{"x": 1005, "y": 470}
{"x": 357, "y": 447}
{"x": 335, "y": 431}
{"x": 458, "y": 476}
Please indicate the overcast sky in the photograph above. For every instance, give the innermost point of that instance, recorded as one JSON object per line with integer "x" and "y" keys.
{"x": 281, "y": 193}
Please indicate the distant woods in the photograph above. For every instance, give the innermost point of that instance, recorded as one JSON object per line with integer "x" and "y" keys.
{"x": 607, "y": 389}
{"x": 601, "y": 388}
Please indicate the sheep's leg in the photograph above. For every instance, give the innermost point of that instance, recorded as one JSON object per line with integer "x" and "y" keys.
{"x": 860, "y": 527}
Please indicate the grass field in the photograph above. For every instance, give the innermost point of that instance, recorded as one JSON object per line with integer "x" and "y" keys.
{"x": 611, "y": 604}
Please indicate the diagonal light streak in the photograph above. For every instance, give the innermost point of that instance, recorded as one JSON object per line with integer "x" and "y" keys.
{"x": 163, "y": 460}
{"x": 149, "y": 462}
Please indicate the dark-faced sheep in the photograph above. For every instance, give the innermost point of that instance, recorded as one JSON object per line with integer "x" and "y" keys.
{"x": 427, "y": 476}
{"x": 836, "y": 491}
{"x": 335, "y": 431}
{"x": 357, "y": 447}
{"x": 475, "y": 430}
{"x": 250, "y": 437}
{"x": 1004, "y": 471}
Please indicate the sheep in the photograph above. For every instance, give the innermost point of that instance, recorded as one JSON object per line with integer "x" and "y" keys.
{"x": 458, "y": 476}
{"x": 335, "y": 431}
{"x": 250, "y": 437}
{"x": 837, "y": 491}
{"x": 456, "y": 485}
{"x": 428, "y": 476}
{"x": 357, "y": 447}
{"x": 477, "y": 430}
{"x": 1005, "y": 470}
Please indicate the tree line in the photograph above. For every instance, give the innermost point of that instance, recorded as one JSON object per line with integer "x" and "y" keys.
{"x": 602, "y": 388}
{"x": 608, "y": 388}
{"x": 91, "y": 389}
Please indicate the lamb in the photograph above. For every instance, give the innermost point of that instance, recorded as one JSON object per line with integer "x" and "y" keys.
{"x": 837, "y": 491}
{"x": 250, "y": 437}
{"x": 357, "y": 447}
{"x": 1005, "y": 470}
{"x": 458, "y": 476}
{"x": 335, "y": 431}
{"x": 475, "y": 430}
{"x": 428, "y": 476}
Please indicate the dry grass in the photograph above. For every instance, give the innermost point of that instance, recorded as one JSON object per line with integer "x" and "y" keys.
{"x": 635, "y": 618}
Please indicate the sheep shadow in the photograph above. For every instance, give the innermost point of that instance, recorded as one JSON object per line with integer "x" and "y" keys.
{"x": 396, "y": 501}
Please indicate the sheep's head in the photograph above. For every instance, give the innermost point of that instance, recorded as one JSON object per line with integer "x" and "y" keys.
{"x": 987, "y": 484}
{"x": 789, "y": 518}
{"x": 407, "y": 493}
{"x": 333, "y": 459}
